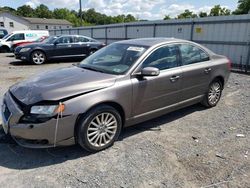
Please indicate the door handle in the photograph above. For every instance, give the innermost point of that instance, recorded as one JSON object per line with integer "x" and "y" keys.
{"x": 207, "y": 70}
{"x": 174, "y": 78}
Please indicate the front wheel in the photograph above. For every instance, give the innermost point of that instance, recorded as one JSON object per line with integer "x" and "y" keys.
{"x": 5, "y": 49}
{"x": 38, "y": 57}
{"x": 213, "y": 95}
{"x": 99, "y": 128}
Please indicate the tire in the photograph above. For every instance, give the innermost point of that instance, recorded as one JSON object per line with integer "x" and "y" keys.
{"x": 92, "y": 134}
{"x": 38, "y": 57}
{"x": 213, "y": 94}
{"x": 5, "y": 49}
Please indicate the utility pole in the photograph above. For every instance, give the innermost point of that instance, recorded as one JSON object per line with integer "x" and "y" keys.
{"x": 80, "y": 1}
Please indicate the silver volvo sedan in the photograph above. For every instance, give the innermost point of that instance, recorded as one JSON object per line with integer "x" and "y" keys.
{"x": 123, "y": 84}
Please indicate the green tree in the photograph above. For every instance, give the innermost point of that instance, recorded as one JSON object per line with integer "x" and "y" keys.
{"x": 61, "y": 13}
{"x": 66, "y": 14}
{"x": 130, "y": 18}
{"x": 42, "y": 11}
{"x": 217, "y": 10}
{"x": 25, "y": 11}
{"x": 8, "y": 9}
{"x": 187, "y": 14}
{"x": 243, "y": 7}
{"x": 167, "y": 17}
{"x": 93, "y": 17}
{"x": 203, "y": 14}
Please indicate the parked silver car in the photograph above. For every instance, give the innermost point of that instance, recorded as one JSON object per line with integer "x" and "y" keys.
{"x": 120, "y": 85}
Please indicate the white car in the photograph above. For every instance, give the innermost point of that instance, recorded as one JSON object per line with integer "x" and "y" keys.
{"x": 8, "y": 41}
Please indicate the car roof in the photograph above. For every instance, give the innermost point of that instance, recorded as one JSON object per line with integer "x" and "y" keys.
{"x": 29, "y": 31}
{"x": 150, "y": 41}
{"x": 65, "y": 35}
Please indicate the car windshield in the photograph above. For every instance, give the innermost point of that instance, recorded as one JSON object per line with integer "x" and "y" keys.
{"x": 50, "y": 39}
{"x": 113, "y": 59}
{"x": 6, "y": 36}
{"x": 41, "y": 39}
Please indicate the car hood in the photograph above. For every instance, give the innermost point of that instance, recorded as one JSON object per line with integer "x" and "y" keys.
{"x": 60, "y": 84}
{"x": 35, "y": 44}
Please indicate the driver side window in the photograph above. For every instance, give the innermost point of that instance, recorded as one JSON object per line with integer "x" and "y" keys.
{"x": 165, "y": 57}
{"x": 19, "y": 36}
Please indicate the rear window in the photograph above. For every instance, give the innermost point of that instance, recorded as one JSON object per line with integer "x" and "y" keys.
{"x": 191, "y": 54}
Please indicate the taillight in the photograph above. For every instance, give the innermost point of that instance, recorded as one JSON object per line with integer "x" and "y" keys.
{"x": 229, "y": 64}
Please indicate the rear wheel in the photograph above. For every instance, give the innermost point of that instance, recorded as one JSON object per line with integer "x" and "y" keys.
{"x": 38, "y": 57}
{"x": 99, "y": 128}
{"x": 213, "y": 95}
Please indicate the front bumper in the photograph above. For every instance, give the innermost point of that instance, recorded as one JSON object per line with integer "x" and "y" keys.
{"x": 38, "y": 135}
{"x": 22, "y": 56}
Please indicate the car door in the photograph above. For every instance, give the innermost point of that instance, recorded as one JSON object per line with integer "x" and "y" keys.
{"x": 196, "y": 69}
{"x": 159, "y": 92}
{"x": 63, "y": 47}
{"x": 82, "y": 45}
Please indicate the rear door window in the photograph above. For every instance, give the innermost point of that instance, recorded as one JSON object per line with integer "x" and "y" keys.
{"x": 65, "y": 40}
{"x": 83, "y": 39}
{"x": 191, "y": 54}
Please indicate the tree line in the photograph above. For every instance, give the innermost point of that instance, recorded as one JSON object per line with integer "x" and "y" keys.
{"x": 89, "y": 17}
{"x": 92, "y": 17}
{"x": 217, "y": 10}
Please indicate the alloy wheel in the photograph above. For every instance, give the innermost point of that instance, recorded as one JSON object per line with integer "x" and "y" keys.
{"x": 102, "y": 129}
{"x": 38, "y": 58}
{"x": 214, "y": 93}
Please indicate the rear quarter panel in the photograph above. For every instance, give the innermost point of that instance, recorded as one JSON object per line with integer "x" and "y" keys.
{"x": 220, "y": 67}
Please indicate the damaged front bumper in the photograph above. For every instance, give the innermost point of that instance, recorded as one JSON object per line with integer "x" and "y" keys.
{"x": 36, "y": 135}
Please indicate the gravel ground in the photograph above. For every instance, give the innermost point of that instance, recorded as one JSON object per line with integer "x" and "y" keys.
{"x": 192, "y": 147}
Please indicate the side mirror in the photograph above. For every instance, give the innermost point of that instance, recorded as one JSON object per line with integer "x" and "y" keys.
{"x": 56, "y": 43}
{"x": 150, "y": 71}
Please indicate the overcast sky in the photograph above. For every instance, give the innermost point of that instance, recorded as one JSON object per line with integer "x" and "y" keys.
{"x": 142, "y": 9}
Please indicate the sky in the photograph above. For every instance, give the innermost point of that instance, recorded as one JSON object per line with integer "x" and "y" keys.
{"x": 141, "y": 9}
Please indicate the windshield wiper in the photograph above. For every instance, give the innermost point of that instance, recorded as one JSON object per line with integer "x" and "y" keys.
{"x": 91, "y": 68}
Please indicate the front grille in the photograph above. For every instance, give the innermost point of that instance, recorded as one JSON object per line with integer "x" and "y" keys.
{"x": 22, "y": 106}
{"x": 6, "y": 112}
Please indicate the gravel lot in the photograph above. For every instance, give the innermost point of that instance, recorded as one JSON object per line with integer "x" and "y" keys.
{"x": 193, "y": 147}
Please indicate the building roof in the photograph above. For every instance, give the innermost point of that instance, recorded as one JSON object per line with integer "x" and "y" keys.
{"x": 40, "y": 20}
{"x": 47, "y": 21}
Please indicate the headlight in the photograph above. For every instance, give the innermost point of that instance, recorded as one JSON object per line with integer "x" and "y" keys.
{"x": 24, "y": 49}
{"x": 44, "y": 110}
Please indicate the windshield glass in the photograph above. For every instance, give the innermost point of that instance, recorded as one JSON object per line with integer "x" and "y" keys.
{"x": 6, "y": 36}
{"x": 41, "y": 39}
{"x": 50, "y": 39}
{"x": 114, "y": 59}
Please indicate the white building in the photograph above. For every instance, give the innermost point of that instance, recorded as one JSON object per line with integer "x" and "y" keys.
{"x": 13, "y": 23}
